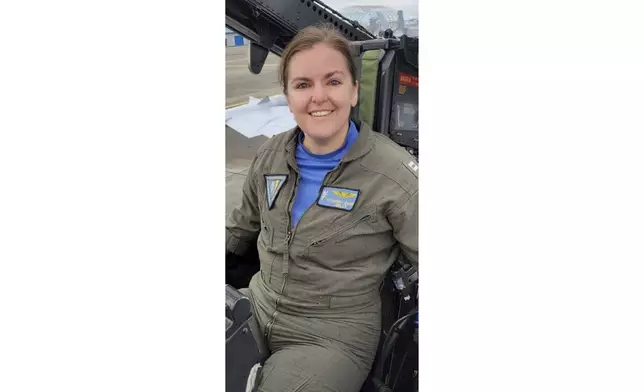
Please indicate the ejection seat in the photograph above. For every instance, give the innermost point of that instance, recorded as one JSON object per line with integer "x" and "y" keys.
{"x": 388, "y": 95}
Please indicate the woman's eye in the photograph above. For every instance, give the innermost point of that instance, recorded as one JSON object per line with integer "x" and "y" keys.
{"x": 334, "y": 82}
{"x": 301, "y": 85}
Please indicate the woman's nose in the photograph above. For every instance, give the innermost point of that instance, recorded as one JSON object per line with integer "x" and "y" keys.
{"x": 319, "y": 94}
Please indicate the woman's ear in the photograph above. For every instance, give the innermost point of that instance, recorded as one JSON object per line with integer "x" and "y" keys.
{"x": 354, "y": 98}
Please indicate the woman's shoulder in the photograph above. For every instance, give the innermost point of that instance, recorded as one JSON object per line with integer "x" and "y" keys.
{"x": 278, "y": 142}
{"x": 392, "y": 161}
{"x": 272, "y": 152}
{"x": 274, "y": 147}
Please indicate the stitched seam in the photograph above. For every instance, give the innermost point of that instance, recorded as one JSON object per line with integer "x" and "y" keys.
{"x": 398, "y": 208}
{"x": 408, "y": 191}
{"x": 304, "y": 383}
{"x": 389, "y": 147}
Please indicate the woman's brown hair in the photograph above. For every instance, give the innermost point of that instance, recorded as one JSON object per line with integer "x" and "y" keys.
{"x": 306, "y": 39}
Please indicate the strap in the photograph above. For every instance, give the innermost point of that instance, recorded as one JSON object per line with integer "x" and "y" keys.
{"x": 368, "y": 84}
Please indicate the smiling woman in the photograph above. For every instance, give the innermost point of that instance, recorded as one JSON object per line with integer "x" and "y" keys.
{"x": 329, "y": 207}
{"x": 320, "y": 85}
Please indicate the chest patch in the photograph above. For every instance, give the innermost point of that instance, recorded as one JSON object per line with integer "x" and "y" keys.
{"x": 340, "y": 198}
{"x": 274, "y": 183}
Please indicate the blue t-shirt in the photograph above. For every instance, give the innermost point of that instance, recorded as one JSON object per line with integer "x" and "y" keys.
{"x": 313, "y": 168}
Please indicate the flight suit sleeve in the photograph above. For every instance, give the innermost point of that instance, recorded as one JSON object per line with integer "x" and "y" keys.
{"x": 404, "y": 221}
{"x": 243, "y": 223}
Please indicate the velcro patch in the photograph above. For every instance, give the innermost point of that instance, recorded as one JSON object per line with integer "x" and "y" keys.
{"x": 413, "y": 167}
{"x": 341, "y": 198}
{"x": 274, "y": 183}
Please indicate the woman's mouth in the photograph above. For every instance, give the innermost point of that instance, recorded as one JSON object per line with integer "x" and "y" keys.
{"x": 321, "y": 113}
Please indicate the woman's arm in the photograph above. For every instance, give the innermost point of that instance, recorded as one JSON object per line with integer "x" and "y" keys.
{"x": 243, "y": 223}
{"x": 404, "y": 219}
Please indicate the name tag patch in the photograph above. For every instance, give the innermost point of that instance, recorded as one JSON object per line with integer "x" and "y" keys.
{"x": 341, "y": 198}
{"x": 274, "y": 183}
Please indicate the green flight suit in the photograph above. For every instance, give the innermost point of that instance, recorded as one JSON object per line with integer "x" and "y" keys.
{"x": 316, "y": 298}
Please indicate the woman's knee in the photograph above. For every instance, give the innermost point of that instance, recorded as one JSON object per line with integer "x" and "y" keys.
{"x": 311, "y": 369}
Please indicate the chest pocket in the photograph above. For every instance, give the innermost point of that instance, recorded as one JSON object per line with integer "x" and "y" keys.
{"x": 355, "y": 237}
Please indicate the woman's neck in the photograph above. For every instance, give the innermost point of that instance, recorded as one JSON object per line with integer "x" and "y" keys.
{"x": 325, "y": 146}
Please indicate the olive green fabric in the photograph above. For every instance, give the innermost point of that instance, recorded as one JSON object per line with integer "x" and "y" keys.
{"x": 368, "y": 83}
{"x": 316, "y": 297}
{"x": 312, "y": 349}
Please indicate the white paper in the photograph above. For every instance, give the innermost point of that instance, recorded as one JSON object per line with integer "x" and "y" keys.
{"x": 269, "y": 116}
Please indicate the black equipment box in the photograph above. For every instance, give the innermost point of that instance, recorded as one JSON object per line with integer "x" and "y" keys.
{"x": 241, "y": 349}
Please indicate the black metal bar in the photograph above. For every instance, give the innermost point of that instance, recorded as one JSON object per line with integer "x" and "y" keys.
{"x": 285, "y": 18}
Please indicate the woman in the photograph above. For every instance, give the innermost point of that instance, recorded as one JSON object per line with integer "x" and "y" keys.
{"x": 331, "y": 206}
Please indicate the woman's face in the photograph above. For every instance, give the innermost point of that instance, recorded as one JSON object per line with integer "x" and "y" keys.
{"x": 320, "y": 93}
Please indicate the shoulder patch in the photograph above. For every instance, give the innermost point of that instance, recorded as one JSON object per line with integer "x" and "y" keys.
{"x": 412, "y": 166}
{"x": 274, "y": 183}
{"x": 340, "y": 198}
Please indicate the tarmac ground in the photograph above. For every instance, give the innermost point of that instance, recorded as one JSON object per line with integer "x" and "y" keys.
{"x": 241, "y": 83}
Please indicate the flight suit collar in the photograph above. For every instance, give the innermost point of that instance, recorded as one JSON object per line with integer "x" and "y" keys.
{"x": 362, "y": 145}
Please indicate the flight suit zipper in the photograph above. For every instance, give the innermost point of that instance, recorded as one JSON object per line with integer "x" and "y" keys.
{"x": 289, "y": 235}
{"x": 287, "y": 242}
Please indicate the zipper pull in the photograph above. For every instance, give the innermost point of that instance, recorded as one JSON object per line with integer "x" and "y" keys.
{"x": 288, "y": 237}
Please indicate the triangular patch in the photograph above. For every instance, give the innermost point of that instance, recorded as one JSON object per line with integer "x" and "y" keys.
{"x": 274, "y": 183}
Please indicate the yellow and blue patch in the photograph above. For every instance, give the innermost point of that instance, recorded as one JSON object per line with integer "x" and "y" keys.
{"x": 274, "y": 183}
{"x": 341, "y": 198}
